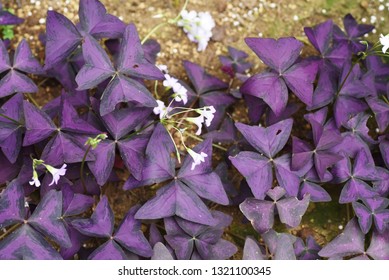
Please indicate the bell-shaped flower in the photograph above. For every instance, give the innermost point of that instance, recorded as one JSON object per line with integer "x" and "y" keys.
{"x": 197, "y": 121}
{"x": 181, "y": 93}
{"x": 197, "y": 158}
{"x": 35, "y": 180}
{"x": 57, "y": 173}
{"x": 169, "y": 81}
{"x": 384, "y": 40}
{"x": 161, "y": 109}
{"x": 208, "y": 113}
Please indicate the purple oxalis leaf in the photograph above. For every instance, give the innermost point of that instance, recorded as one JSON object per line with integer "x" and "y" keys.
{"x": 160, "y": 252}
{"x": 350, "y": 242}
{"x": 280, "y": 245}
{"x": 7, "y": 18}
{"x": 47, "y": 218}
{"x": 252, "y": 250}
{"x": 27, "y": 244}
{"x": 95, "y": 20}
{"x": 100, "y": 224}
{"x": 176, "y": 199}
{"x": 373, "y": 209}
{"x": 202, "y": 81}
{"x": 110, "y": 250}
{"x": 62, "y": 38}
{"x": 130, "y": 235}
{"x": 308, "y": 250}
{"x": 132, "y": 61}
{"x": 272, "y": 86}
{"x": 12, "y": 204}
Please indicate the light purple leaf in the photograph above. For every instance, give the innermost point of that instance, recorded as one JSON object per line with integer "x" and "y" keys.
{"x": 268, "y": 140}
{"x": 259, "y": 213}
{"x": 160, "y": 252}
{"x": 350, "y": 242}
{"x": 291, "y": 210}
{"x": 256, "y": 169}
{"x": 252, "y": 250}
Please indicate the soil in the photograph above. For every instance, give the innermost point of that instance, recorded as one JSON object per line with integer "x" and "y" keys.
{"x": 235, "y": 20}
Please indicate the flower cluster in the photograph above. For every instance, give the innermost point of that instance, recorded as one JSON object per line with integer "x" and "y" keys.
{"x": 55, "y": 172}
{"x": 206, "y": 115}
{"x": 198, "y": 27}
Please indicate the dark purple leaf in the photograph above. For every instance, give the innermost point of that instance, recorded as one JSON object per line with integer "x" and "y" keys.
{"x": 132, "y": 61}
{"x": 95, "y": 20}
{"x": 56, "y": 151}
{"x": 110, "y": 250}
{"x": 132, "y": 151}
{"x": 97, "y": 67}
{"x": 25, "y": 61}
{"x": 39, "y": 126}
{"x": 202, "y": 81}
{"x": 123, "y": 89}
{"x": 176, "y": 199}
{"x": 27, "y": 244}
{"x": 47, "y": 218}
{"x": 12, "y": 204}
{"x": 100, "y": 224}
{"x": 62, "y": 38}
{"x": 130, "y": 235}
{"x": 277, "y": 54}
{"x": 15, "y": 82}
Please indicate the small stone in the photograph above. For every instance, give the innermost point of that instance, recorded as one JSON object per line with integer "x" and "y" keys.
{"x": 221, "y": 5}
{"x": 218, "y": 33}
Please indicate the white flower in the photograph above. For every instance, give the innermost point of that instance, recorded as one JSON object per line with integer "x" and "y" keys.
{"x": 187, "y": 17}
{"x": 208, "y": 113}
{"x": 198, "y": 27}
{"x": 180, "y": 93}
{"x": 35, "y": 180}
{"x": 57, "y": 173}
{"x": 161, "y": 109}
{"x": 197, "y": 121}
{"x": 384, "y": 40}
{"x": 206, "y": 21}
{"x": 197, "y": 158}
{"x": 169, "y": 82}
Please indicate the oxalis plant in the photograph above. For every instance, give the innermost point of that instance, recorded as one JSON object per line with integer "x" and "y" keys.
{"x": 120, "y": 112}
